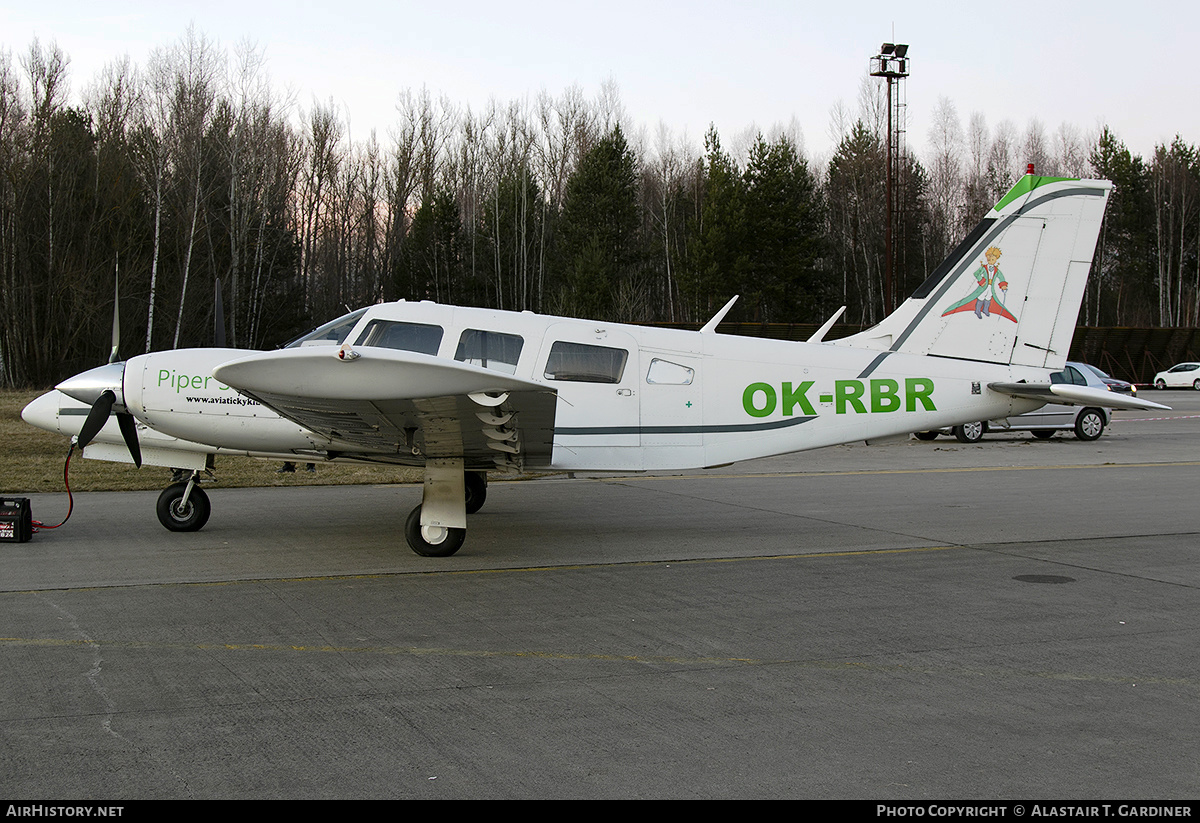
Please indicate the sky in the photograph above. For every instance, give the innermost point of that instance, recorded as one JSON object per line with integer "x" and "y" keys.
{"x": 755, "y": 63}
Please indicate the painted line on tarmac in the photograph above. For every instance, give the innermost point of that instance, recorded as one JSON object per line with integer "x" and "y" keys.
{"x": 458, "y": 572}
{"x": 951, "y": 470}
{"x": 1147, "y": 419}
{"x": 846, "y": 665}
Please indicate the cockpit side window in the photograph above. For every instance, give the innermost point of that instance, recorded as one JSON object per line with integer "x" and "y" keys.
{"x": 582, "y": 363}
{"x": 332, "y": 333}
{"x": 490, "y": 350}
{"x": 393, "y": 334}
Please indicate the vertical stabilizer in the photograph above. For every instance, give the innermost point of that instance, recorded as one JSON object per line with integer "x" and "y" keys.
{"x": 1011, "y": 291}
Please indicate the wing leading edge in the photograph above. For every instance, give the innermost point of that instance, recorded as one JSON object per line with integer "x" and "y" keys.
{"x": 403, "y": 407}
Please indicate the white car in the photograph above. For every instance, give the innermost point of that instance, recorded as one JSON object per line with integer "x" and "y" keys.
{"x": 1182, "y": 376}
{"x": 1088, "y": 422}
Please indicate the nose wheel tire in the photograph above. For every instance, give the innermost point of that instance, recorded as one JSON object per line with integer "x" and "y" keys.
{"x": 179, "y": 516}
{"x": 432, "y": 541}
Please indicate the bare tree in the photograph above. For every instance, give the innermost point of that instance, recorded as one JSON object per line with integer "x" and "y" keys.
{"x": 197, "y": 66}
{"x": 1035, "y": 149}
{"x": 945, "y": 175}
{"x": 977, "y": 195}
{"x": 16, "y": 298}
{"x": 152, "y": 156}
{"x": 1002, "y": 160}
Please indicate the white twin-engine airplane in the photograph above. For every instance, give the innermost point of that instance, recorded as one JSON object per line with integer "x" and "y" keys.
{"x": 464, "y": 391}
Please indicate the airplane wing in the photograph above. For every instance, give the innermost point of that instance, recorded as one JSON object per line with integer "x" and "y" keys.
{"x": 1068, "y": 394}
{"x": 403, "y": 407}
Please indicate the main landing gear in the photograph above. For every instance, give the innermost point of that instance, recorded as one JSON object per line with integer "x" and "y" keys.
{"x": 183, "y": 506}
{"x": 438, "y": 527}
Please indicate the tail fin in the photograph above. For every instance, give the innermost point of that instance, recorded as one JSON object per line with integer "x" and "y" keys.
{"x": 1010, "y": 292}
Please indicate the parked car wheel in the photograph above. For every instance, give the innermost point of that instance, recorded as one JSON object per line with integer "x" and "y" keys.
{"x": 926, "y": 435}
{"x": 970, "y": 432}
{"x": 1160, "y": 383}
{"x": 1089, "y": 425}
{"x": 1043, "y": 434}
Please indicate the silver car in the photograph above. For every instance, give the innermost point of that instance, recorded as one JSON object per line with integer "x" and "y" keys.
{"x": 1088, "y": 422}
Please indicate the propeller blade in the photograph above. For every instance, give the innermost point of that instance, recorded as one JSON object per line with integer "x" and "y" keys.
{"x": 113, "y": 357}
{"x": 219, "y": 319}
{"x": 97, "y": 417}
{"x": 129, "y": 431}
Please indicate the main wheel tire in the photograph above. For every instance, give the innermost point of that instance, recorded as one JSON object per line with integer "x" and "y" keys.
{"x": 1089, "y": 425}
{"x": 1043, "y": 434}
{"x": 1160, "y": 383}
{"x": 970, "y": 432}
{"x": 451, "y": 542}
{"x": 926, "y": 435}
{"x": 476, "y": 489}
{"x": 178, "y": 516}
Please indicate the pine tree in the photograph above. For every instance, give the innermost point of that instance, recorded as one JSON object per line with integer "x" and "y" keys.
{"x": 600, "y": 240}
{"x": 1122, "y": 284}
{"x": 720, "y": 261}
{"x": 785, "y": 229}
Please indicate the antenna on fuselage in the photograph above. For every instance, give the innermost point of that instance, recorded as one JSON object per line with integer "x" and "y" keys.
{"x": 819, "y": 334}
{"x": 711, "y": 326}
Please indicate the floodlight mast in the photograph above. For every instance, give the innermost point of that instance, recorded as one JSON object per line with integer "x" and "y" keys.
{"x": 891, "y": 63}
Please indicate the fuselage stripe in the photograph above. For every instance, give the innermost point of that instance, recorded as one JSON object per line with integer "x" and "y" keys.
{"x": 726, "y": 428}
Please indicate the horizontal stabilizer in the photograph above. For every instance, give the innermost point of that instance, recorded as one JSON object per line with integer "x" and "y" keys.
{"x": 1069, "y": 394}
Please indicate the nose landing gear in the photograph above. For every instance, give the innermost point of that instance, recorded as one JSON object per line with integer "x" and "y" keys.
{"x": 183, "y": 506}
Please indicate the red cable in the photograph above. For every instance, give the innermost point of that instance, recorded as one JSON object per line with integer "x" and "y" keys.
{"x": 37, "y": 524}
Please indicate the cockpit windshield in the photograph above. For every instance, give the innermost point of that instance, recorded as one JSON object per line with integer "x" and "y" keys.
{"x": 332, "y": 333}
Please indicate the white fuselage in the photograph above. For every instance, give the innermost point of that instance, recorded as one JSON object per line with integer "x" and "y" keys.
{"x": 681, "y": 400}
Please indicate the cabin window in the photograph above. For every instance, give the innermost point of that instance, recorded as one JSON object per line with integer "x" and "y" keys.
{"x": 585, "y": 364}
{"x": 490, "y": 350}
{"x": 666, "y": 373}
{"x": 332, "y": 333}
{"x": 391, "y": 334}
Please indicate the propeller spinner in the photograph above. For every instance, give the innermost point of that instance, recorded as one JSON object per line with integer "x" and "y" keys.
{"x": 101, "y": 389}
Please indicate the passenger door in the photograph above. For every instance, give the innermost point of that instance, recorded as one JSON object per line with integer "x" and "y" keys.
{"x": 595, "y": 372}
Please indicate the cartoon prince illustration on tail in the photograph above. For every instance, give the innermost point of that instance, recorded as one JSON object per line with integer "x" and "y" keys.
{"x": 991, "y": 286}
